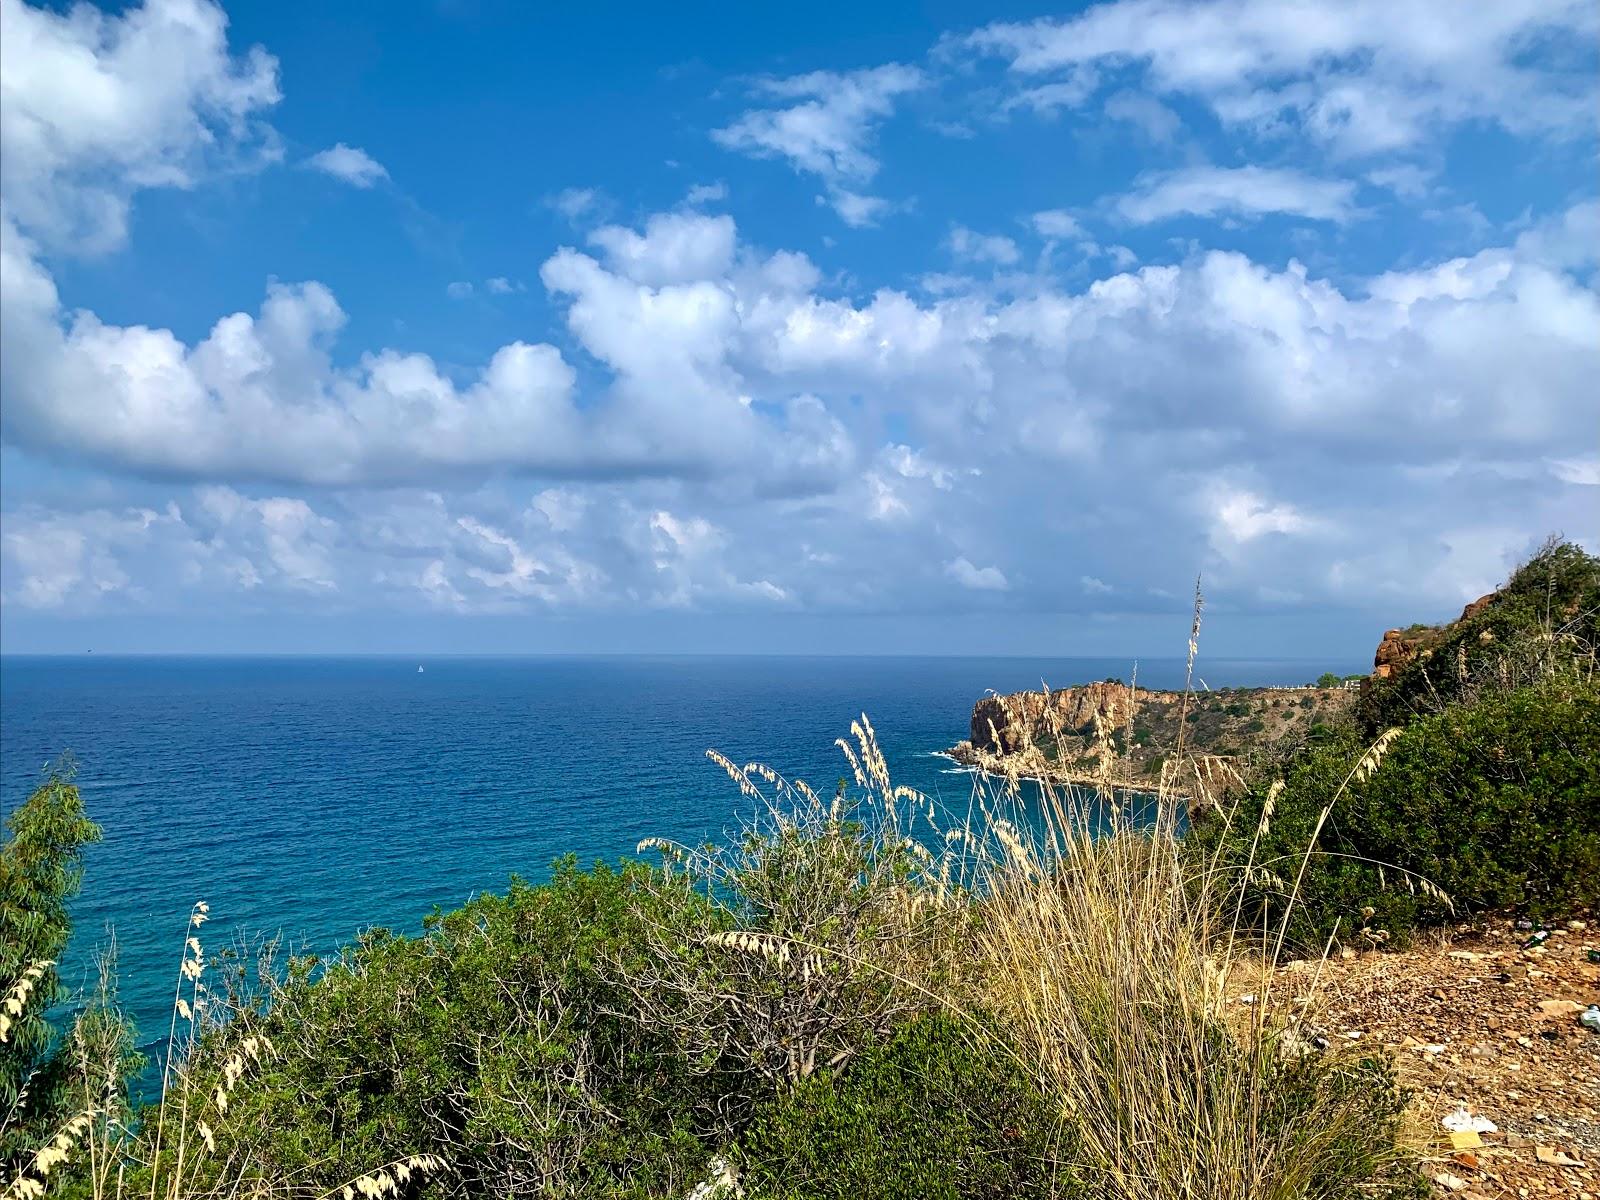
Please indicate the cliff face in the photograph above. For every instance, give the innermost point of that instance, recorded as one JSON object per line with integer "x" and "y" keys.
{"x": 1401, "y": 647}
{"x": 1010, "y": 724}
{"x": 1053, "y": 734}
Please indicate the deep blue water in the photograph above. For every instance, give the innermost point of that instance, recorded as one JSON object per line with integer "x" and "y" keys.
{"x": 314, "y": 797}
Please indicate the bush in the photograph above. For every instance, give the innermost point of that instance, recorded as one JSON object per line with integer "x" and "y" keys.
{"x": 1545, "y": 621}
{"x": 1340, "y": 1117}
{"x": 1493, "y": 802}
{"x": 41, "y": 868}
{"x": 500, "y": 1041}
{"x": 924, "y": 1113}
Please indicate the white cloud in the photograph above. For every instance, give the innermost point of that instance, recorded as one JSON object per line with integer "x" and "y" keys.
{"x": 1056, "y": 223}
{"x": 1237, "y": 191}
{"x": 674, "y": 248}
{"x": 501, "y": 286}
{"x": 1095, "y": 587}
{"x": 349, "y": 163}
{"x": 1406, "y": 180}
{"x": 459, "y": 289}
{"x": 980, "y": 247}
{"x": 980, "y": 579}
{"x": 1367, "y": 77}
{"x": 1584, "y": 472}
{"x": 829, "y": 129}
{"x": 1243, "y": 516}
{"x": 575, "y": 203}
{"x": 856, "y": 210}
{"x": 706, "y": 193}
{"x": 260, "y": 398}
{"x": 94, "y": 107}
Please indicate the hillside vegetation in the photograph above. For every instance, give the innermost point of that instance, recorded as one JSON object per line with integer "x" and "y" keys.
{"x": 856, "y": 998}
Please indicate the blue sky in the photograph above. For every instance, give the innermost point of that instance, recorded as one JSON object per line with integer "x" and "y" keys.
{"x": 480, "y": 327}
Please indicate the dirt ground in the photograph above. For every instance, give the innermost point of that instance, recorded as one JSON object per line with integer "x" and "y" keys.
{"x": 1474, "y": 1022}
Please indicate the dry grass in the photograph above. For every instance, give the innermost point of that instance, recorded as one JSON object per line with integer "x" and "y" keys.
{"x": 1106, "y": 955}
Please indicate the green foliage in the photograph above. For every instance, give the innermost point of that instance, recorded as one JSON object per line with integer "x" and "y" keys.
{"x": 1494, "y": 802}
{"x": 502, "y": 1040}
{"x": 1545, "y": 621}
{"x": 1341, "y": 1117}
{"x": 928, "y": 1112}
{"x": 1328, "y": 680}
{"x": 41, "y": 869}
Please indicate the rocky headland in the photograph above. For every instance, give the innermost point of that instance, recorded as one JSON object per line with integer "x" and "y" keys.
{"x": 1113, "y": 733}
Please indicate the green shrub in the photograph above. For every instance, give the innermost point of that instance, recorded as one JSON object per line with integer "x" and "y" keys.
{"x": 1494, "y": 802}
{"x": 41, "y": 868}
{"x": 1544, "y": 621}
{"x": 1341, "y": 1117}
{"x": 501, "y": 1041}
{"x": 923, "y": 1114}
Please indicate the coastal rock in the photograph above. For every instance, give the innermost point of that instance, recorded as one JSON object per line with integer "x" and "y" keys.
{"x": 1009, "y": 724}
{"x": 1399, "y": 646}
{"x": 1394, "y": 651}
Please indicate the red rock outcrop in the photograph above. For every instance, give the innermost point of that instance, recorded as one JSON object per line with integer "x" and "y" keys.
{"x": 1400, "y": 646}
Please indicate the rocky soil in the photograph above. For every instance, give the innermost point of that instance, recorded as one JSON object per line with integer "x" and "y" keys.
{"x": 1479, "y": 1026}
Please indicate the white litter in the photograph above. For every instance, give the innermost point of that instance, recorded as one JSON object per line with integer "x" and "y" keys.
{"x": 1462, "y": 1121}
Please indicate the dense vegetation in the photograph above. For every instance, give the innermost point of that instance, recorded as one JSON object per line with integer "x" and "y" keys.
{"x": 823, "y": 1007}
{"x": 849, "y": 1000}
{"x": 1487, "y": 792}
{"x": 1545, "y": 620}
{"x": 41, "y": 869}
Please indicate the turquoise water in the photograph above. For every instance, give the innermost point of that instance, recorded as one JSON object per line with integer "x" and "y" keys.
{"x": 314, "y": 797}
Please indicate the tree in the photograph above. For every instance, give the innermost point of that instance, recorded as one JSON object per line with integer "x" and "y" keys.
{"x": 1329, "y": 680}
{"x": 41, "y": 868}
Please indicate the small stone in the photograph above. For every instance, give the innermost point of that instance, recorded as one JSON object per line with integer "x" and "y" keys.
{"x": 1560, "y": 1008}
{"x": 1551, "y": 1157}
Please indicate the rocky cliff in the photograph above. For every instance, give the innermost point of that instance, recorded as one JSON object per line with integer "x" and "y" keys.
{"x": 1400, "y": 647}
{"x": 1063, "y": 735}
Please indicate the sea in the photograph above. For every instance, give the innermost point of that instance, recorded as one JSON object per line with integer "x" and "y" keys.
{"x": 308, "y": 799}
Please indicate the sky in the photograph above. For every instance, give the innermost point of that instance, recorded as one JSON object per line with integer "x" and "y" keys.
{"x": 893, "y": 328}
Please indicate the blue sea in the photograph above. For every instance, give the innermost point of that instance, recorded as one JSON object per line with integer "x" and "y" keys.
{"x": 316, "y": 797}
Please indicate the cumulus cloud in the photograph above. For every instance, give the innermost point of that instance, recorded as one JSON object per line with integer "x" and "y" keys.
{"x": 1236, "y": 191}
{"x": 672, "y": 248}
{"x": 354, "y": 166}
{"x": 728, "y": 426}
{"x": 473, "y": 553}
{"x": 94, "y": 107}
{"x": 1369, "y": 77}
{"x": 828, "y": 129}
{"x": 1414, "y": 401}
{"x": 261, "y": 398}
{"x": 979, "y": 579}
